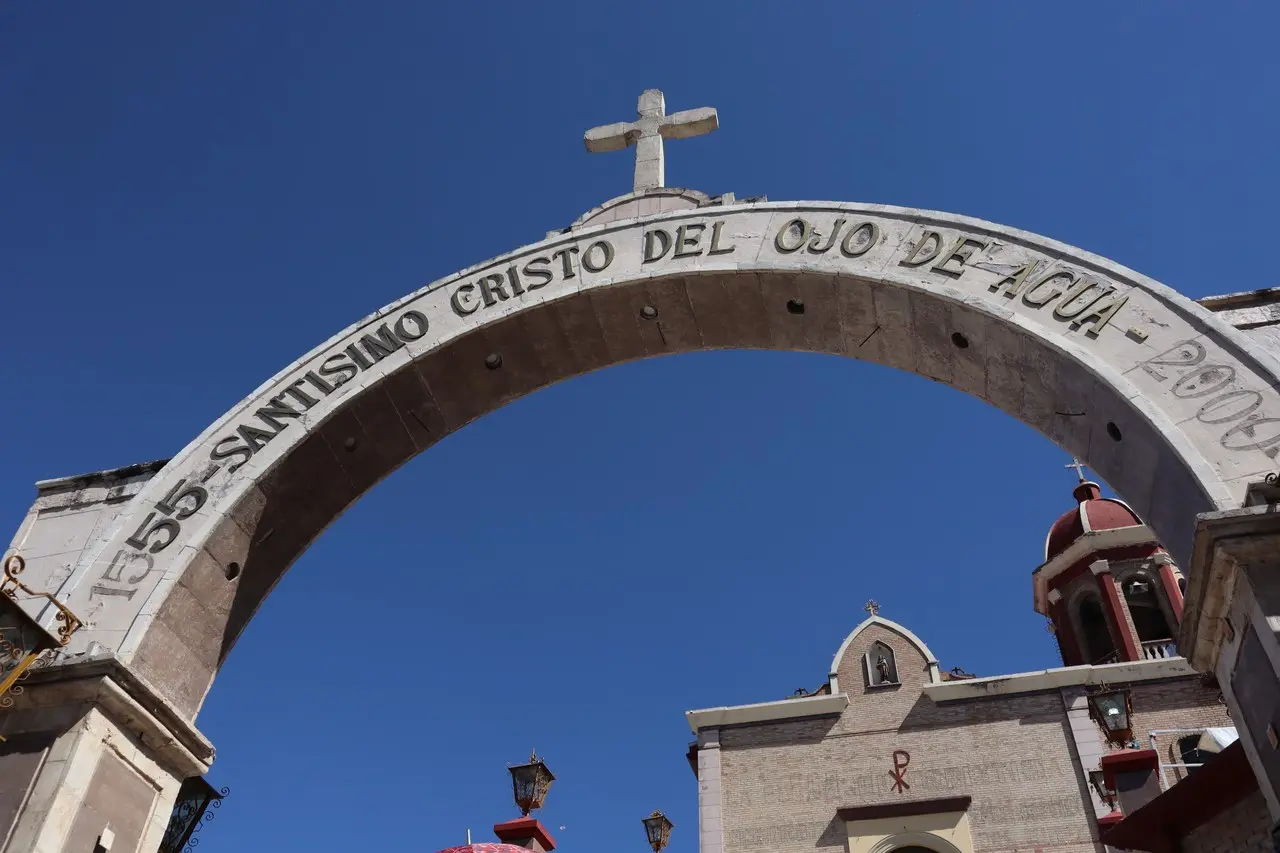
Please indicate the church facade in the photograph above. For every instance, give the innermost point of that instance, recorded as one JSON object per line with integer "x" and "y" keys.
{"x": 1125, "y": 746}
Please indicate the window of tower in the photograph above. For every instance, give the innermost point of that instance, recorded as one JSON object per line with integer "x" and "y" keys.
{"x": 1098, "y": 645}
{"x": 1144, "y": 607}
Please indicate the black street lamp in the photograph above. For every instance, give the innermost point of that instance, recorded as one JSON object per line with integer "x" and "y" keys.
{"x": 657, "y": 828}
{"x": 530, "y": 783}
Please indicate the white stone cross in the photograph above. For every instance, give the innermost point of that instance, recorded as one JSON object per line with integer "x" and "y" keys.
{"x": 1079, "y": 466}
{"x": 647, "y": 132}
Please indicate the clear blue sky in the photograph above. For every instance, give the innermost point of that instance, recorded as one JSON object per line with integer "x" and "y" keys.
{"x": 195, "y": 194}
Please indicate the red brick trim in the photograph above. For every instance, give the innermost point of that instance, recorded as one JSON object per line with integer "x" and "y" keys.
{"x": 1172, "y": 593}
{"x": 1115, "y": 612}
{"x": 1068, "y": 645}
{"x": 909, "y": 809}
{"x": 1081, "y": 566}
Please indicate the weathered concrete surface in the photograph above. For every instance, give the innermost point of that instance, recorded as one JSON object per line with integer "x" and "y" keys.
{"x": 1231, "y": 627}
{"x": 1173, "y": 408}
{"x": 90, "y": 747}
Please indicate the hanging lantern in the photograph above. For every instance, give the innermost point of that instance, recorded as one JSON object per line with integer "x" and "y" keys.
{"x": 1112, "y": 709}
{"x": 1098, "y": 779}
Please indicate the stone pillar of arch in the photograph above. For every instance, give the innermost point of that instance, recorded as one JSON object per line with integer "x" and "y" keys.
{"x": 1231, "y": 624}
{"x": 167, "y": 562}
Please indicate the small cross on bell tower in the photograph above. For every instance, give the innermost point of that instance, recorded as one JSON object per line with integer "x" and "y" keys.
{"x": 872, "y": 607}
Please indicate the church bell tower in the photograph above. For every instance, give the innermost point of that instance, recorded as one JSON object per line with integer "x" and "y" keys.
{"x": 1108, "y": 587}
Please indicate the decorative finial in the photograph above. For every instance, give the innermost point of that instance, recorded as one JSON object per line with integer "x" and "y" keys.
{"x": 647, "y": 132}
{"x": 1079, "y": 466}
{"x": 872, "y": 607}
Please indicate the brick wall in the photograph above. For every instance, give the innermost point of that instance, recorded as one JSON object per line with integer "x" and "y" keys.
{"x": 1176, "y": 704}
{"x": 1243, "y": 828}
{"x": 782, "y": 783}
{"x": 891, "y": 704}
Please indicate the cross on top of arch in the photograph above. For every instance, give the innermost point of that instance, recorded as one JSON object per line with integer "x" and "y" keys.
{"x": 646, "y": 133}
{"x": 872, "y": 607}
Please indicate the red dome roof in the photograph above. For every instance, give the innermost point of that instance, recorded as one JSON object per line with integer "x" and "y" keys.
{"x": 486, "y": 847}
{"x": 1094, "y": 513}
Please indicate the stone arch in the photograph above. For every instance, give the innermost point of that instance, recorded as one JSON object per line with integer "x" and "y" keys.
{"x": 1176, "y": 410}
{"x": 909, "y": 842}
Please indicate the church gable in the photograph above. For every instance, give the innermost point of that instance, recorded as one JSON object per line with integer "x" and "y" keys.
{"x": 882, "y": 655}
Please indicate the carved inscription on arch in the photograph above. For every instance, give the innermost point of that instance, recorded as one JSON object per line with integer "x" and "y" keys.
{"x": 162, "y": 526}
{"x": 1240, "y": 414}
{"x": 1187, "y": 382}
{"x": 1078, "y": 300}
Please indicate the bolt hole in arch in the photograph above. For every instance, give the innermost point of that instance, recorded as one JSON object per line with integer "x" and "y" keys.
{"x": 1113, "y": 431}
{"x": 795, "y": 306}
{"x": 232, "y": 571}
{"x": 959, "y": 340}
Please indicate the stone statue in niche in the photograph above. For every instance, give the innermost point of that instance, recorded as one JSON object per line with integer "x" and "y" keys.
{"x": 882, "y": 666}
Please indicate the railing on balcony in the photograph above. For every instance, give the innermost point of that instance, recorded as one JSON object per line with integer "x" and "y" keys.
{"x": 1159, "y": 650}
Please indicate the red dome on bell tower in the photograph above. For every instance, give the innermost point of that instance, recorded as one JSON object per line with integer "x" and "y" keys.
{"x": 1109, "y": 588}
{"x": 1092, "y": 513}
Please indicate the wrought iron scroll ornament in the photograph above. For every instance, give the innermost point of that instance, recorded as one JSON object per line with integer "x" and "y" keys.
{"x": 23, "y": 641}
{"x": 68, "y": 622}
{"x": 196, "y": 807}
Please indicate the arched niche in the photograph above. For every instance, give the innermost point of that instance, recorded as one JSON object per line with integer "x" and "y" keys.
{"x": 880, "y": 665}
